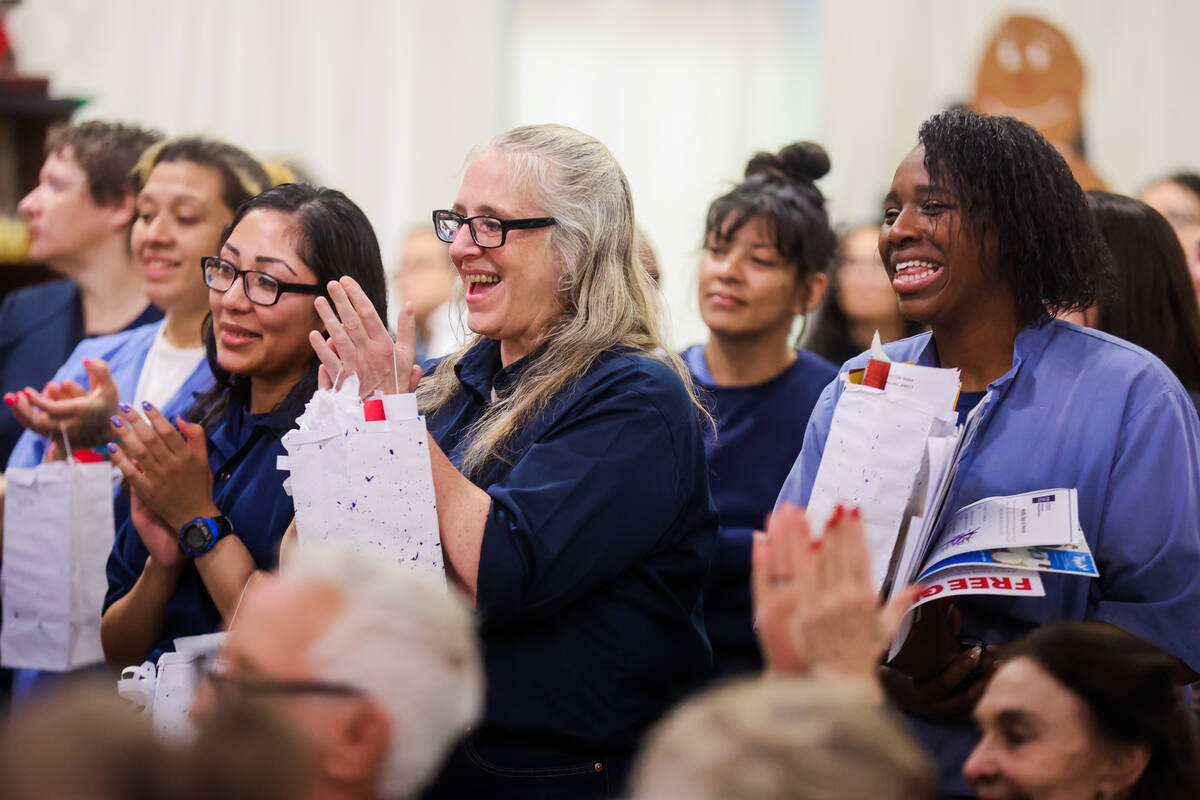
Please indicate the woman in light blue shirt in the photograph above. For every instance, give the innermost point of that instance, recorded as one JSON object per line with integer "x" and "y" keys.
{"x": 986, "y": 235}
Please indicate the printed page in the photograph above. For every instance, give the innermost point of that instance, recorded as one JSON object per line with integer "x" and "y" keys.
{"x": 982, "y": 580}
{"x": 934, "y": 388}
{"x": 1072, "y": 559}
{"x": 872, "y": 457}
{"x": 1032, "y": 519}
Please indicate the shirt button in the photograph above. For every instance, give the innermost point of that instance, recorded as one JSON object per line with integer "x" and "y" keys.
{"x": 223, "y": 476}
{"x": 598, "y": 767}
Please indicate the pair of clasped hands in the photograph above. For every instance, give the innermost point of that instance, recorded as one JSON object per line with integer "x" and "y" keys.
{"x": 817, "y": 612}
{"x": 166, "y": 467}
{"x": 165, "y": 464}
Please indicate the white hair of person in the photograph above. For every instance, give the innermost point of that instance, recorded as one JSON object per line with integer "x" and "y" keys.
{"x": 407, "y": 641}
{"x": 606, "y": 297}
{"x": 792, "y": 738}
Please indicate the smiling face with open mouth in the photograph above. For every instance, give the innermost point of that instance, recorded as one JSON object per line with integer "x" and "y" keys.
{"x": 931, "y": 257}
{"x": 512, "y": 290}
{"x": 178, "y": 219}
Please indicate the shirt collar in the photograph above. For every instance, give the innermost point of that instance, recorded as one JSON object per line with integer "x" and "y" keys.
{"x": 1030, "y": 343}
{"x": 480, "y": 369}
{"x": 239, "y": 425}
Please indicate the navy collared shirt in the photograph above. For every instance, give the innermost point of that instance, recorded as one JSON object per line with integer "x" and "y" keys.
{"x": 1078, "y": 409}
{"x": 595, "y": 549}
{"x": 39, "y": 327}
{"x": 248, "y": 488}
{"x": 760, "y": 430}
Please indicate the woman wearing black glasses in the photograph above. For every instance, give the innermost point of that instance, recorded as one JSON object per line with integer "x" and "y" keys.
{"x": 572, "y": 489}
{"x": 207, "y": 502}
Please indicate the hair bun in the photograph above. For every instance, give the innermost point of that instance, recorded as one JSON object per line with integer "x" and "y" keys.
{"x": 800, "y": 161}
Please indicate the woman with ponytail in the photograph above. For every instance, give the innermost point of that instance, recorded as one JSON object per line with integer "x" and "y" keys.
{"x": 767, "y": 247}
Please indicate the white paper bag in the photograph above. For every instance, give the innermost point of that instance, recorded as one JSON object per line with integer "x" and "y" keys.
{"x": 58, "y": 533}
{"x": 167, "y": 691}
{"x": 365, "y": 484}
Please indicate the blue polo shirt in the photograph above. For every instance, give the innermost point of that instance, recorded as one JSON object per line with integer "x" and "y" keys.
{"x": 39, "y": 327}
{"x": 595, "y": 550}
{"x": 759, "y": 432}
{"x": 248, "y": 488}
{"x": 1085, "y": 410}
{"x": 125, "y": 353}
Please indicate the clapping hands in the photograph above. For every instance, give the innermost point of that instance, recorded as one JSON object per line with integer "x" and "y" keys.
{"x": 68, "y": 408}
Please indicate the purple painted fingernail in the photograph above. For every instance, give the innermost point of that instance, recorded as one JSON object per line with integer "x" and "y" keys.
{"x": 112, "y": 447}
{"x": 125, "y": 407}
{"x": 116, "y": 422}
{"x": 147, "y": 406}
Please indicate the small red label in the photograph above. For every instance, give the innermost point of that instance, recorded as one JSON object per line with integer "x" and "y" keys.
{"x": 877, "y": 374}
{"x": 373, "y": 410}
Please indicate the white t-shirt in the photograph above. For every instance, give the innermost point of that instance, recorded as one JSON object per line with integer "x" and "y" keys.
{"x": 165, "y": 370}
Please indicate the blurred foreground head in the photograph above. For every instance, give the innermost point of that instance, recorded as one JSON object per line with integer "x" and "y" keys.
{"x": 784, "y": 739}
{"x": 82, "y": 742}
{"x": 376, "y": 665}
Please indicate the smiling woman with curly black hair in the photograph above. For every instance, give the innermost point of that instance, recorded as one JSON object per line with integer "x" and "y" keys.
{"x": 985, "y": 236}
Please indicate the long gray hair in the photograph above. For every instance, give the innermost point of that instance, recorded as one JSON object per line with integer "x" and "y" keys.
{"x": 607, "y": 298}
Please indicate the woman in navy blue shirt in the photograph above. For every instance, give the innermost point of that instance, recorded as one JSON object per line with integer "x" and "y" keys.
{"x": 207, "y": 501}
{"x": 767, "y": 246}
{"x": 568, "y": 462}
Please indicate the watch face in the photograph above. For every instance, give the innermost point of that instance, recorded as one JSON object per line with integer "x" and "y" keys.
{"x": 195, "y": 537}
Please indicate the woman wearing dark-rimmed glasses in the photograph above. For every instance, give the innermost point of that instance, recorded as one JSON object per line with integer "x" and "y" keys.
{"x": 568, "y": 462}
{"x": 207, "y": 502}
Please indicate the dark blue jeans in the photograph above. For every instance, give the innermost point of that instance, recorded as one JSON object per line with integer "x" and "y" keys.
{"x": 499, "y": 766}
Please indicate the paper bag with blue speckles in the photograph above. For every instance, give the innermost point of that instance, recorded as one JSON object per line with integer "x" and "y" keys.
{"x": 361, "y": 475}
{"x": 58, "y": 532}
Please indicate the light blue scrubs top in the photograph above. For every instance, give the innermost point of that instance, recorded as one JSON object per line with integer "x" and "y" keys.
{"x": 1085, "y": 410}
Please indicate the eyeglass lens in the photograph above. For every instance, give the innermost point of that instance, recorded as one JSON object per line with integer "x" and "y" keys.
{"x": 260, "y": 287}
{"x": 486, "y": 231}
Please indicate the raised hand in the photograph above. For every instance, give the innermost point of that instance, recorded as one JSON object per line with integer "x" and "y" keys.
{"x": 816, "y": 607}
{"x": 82, "y": 414}
{"x": 166, "y": 468}
{"x": 358, "y": 342}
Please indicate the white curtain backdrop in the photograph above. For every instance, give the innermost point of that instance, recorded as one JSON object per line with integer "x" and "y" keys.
{"x": 383, "y": 98}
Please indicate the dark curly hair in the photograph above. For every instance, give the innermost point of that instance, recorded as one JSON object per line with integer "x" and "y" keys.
{"x": 779, "y": 189}
{"x": 334, "y": 238}
{"x": 1130, "y": 687}
{"x": 1019, "y": 200}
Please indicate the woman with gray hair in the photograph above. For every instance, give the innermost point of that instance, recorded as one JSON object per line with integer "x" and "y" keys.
{"x": 569, "y": 467}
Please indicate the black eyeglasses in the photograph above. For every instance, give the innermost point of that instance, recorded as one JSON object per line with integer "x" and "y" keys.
{"x": 261, "y": 289}
{"x": 485, "y": 231}
{"x": 225, "y": 685}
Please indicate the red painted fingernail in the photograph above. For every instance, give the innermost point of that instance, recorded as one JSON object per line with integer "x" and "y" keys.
{"x": 10, "y": 400}
{"x": 87, "y": 362}
{"x": 837, "y": 515}
{"x": 856, "y": 513}
{"x": 815, "y": 544}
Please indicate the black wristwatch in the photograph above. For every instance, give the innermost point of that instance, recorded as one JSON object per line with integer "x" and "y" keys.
{"x": 198, "y": 536}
